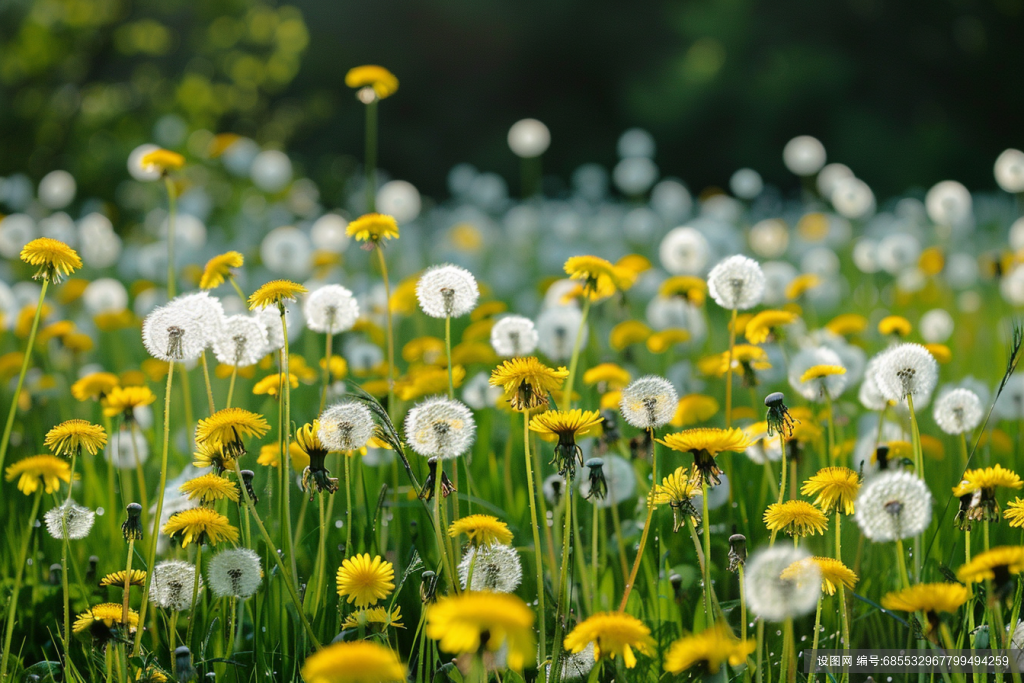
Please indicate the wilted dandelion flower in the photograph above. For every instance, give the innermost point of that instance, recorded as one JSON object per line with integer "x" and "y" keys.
{"x": 365, "y": 579}
{"x": 774, "y": 598}
{"x": 171, "y": 585}
{"x": 649, "y": 402}
{"x": 235, "y": 573}
{"x": 71, "y": 437}
{"x": 619, "y": 478}
{"x": 482, "y": 530}
{"x": 241, "y": 342}
{"x": 906, "y": 370}
{"x": 958, "y": 411}
{"x": 836, "y": 488}
{"x": 496, "y": 568}
{"x": 557, "y": 328}
{"x": 171, "y": 333}
{"x": 447, "y": 291}
{"x": 227, "y": 428}
{"x": 513, "y": 336}
{"x": 712, "y": 647}
{"x": 736, "y": 283}
{"x": 346, "y": 426}
{"x": 39, "y": 470}
{"x": 527, "y": 382}
{"x": 893, "y": 505}
{"x": 331, "y": 309}
{"x": 814, "y": 374}
{"x": 611, "y": 634}
{"x": 359, "y": 661}
{"x": 218, "y": 268}
{"x": 440, "y": 427}
{"x": 75, "y": 519}
{"x": 55, "y": 259}
{"x": 201, "y": 526}
{"x": 315, "y": 474}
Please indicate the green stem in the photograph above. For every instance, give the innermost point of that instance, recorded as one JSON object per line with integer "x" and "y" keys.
{"x": 171, "y": 214}
{"x": 647, "y": 526}
{"x": 782, "y": 486}
{"x": 537, "y": 550}
{"x": 441, "y": 529}
{"x": 151, "y": 554}
{"x": 193, "y": 612}
{"x": 231, "y": 385}
{"x": 286, "y": 392}
{"x": 814, "y": 639}
{"x": 448, "y": 354}
{"x": 728, "y": 371}
{"x": 348, "y": 505}
{"x": 327, "y": 371}
{"x": 371, "y": 156}
{"x": 563, "y": 584}
{"x": 390, "y": 331}
{"x": 21, "y": 377}
{"x": 707, "y": 552}
{"x": 206, "y": 379}
{"x": 574, "y": 361}
{"x": 19, "y": 574}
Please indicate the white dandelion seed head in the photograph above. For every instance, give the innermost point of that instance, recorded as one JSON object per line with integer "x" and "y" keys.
{"x": 936, "y": 326}
{"x": 121, "y": 454}
{"x": 400, "y": 199}
{"x": 816, "y": 389}
{"x": 746, "y": 183}
{"x": 288, "y": 252}
{"x": 171, "y": 585}
{"x": 105, "y": 295}
{"x": 621, "y": 480}
{"x": 773, "y": 598}
{"x": 906, "y": 370}
{"x": 206, "y": 308}
{"x": 235, "y": 573}
{"x": 769, "y": 239}
{"x": 664, "y": 313}
{"x": 329, "y": 233}
{"x": 514, "y": 335}
{"x": 16, "y": 230}
{"x": 1012, "y": 286}
{"x": 649, "y": 402}
{"x": 553, "y": 488}
{"x": 556, "y": 331}
{"x": 804, "y": 155}
{"x": 684, "y": 251}
{"x": 893, "y": 505}
{"x": 363, "y": 356}
{"x": 737, "y": 282}
{"x": 76, "y": 519}
{"x": 852, "y": 198}
{"x": 829, "y": 176}
{"x": 447, "y": 291}
{"x": 271, "y": 170}
{"x": 100, "y": 245}
{"x": 634, "y": 175}
{"x": 242, "y": 341}
{"x": 575, "y": 665}
{"x": 173, "y": 334}
{"x": 671, "y": 200}
{"x": 440, "y": 427}
{"x": 958, "y": 411}
{"x": 331, "y": 309}
{"x": 135, "y": 167}
{"x": 57, "y": 189}
{"x": 478, "y": 392}
{"x": 346, "y": 426}
{"x": 528, "y": 138}
{"x": 1009, "y": 171}
{"x": 495, "y": 568}
{"x": 1010, "y": 403}
{"x": 948, "y": 203}
{"x": 271, "y": 319}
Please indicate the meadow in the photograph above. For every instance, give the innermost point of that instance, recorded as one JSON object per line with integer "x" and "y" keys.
{"x": 615, "y": 432}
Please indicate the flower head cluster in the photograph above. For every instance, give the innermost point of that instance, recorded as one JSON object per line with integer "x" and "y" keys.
{"x": 235, "y": 573}
{"x": 275, "y": 293}
{"x": 382, "y": 82}
{"x": 373, "y": 228}
{"x": 39, "y": 470}
{"x": 893, "y": 505}
{"x": 447, "y": 292}
{"x": 470, "y": 621}
{"x": 679, "y": 491}
{"x": 331, "y": 309}
{"x": 566, "y": 426}
{"x": 906, "y": 370}
{"x": 736, "y": 283}
{"x": 705, "y": 444}
{"x": 817, "y": 374}
{"x": 514, "y": 336}
{"x": 600, "y": 278}
{"x": 365, "y": 579}
{"x": 346, "y": 426}
{"x": 649, "y": 402}
{"x": 482, "y": 530}
{"x": 796, "y": 518}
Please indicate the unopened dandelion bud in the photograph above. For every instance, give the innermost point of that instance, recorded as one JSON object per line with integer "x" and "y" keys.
{"x": 55, "y": 571}
{"x": 247, "y": 477}
{"x": 90, "y": 573}
{"x": 882, "y": 457}
{"x": 132, "y": 527}
{"x": 598, "y": 483}
{"x": 183, "y": 664}
{"x": 428, "y": 587}
{"x": 779, "y": 420}
{"x": 447, "y": 488}
{"x": 737, "y": 551}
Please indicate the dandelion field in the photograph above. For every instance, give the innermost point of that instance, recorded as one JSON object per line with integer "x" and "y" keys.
{"x": 623, "y": 433}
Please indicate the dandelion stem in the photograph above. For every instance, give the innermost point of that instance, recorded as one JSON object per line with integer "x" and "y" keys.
{"x": 171, "y": 214}
{"x": 743, "y": 601}
{"x": 782, "y": 486}
{"x": 814, "y": 639}
{"x": 151, "y": 554}
{"x": 231, "y": 385}
{"x": 441, "y": 529}
{"x": 327, "y": 370}
{"x": 206, "y": 379}
{"x": 535, "y": 527}
{"x": 390, "y": 330}
{"x": 563, "y": 582}
{"x": 370, "y": 160}
{"x": 844, "y": 618}
{"x": 348, "y": 505}
{"x": 647, "y": 525}
{"x": 901, "y": 562}
{"x": 448, "y": 354}
{"x": 707, "y": 552}
{"x": 127, "y": 581}
{"x": 21, "y": 378}
{"x": 286, "y": 392}
{"x": 19, "y": 574}
{"x": 728, "y": 371}
{"x": 193, "y": 615}
{"x": 65, "y": 546}
{"x": 574, "y": 361}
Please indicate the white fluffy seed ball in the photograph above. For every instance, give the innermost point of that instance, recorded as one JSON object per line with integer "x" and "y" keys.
{"x": 1009, "y": 171}
{"x": 528, "y": 138}
{"x": 57, "y": 189}
{"x": 447, "y": 291}
{"x": 804, "y": 155}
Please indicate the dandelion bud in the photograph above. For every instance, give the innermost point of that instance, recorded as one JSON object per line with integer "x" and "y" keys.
{"x": 737, "y": 551}
{"x": 90, "y": 573}
{"x": 447, "y": 488}
{"x": 247, "y": 476}
{"x": 183, "y": 664}
{"x": 428, "y": 587}
{"x": 132, "y": 527}
{"x": 779, "y": 419}
{"x": 598, "y": 484}
{"x": 55, "y": 570}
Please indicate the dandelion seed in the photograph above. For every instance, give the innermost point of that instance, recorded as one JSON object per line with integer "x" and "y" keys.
{"x": 75, "y": 519}
{"x": 331, "y": 309}
{"x": 893, "y": 505}
{"x": 649, "y": 402}
{"x": 736, "y": 283}
{"x": 496, "y": 568}
{"x": 235, "y": 573}
{"x": 346, "y": 426}
{"x": 514, "y": 336}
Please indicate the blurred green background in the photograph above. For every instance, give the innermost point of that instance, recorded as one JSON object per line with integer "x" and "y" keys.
{"x": 905, "y": 93}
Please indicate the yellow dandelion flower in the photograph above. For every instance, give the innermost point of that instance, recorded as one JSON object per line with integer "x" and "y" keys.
{"x": 693, "y": 289}
{"x": 998, "y": 563}
{"x": 270, "y": 456}
{"x": 988, "y": 479}
{"x": 111, "y": 321}
{"x": 358, "y": 661}
{"x": 72, "y": 290}
{"x": 365, "y": 579}
{"x": 219, "y": 268}
{"x": 846, "y": 324}
{"x": 708, "y": 439}
{"x": 117, "y": 579}
{"x": 10, "y": 365}
{"x": 466, "y": 622}
{"x": 201, "y": 526}
{"x": 796, "y": 518}
{"x": 613, "y": 634}
{"x": 374, "y": 227}
{"x": 822, "y": 371}
{"x": 745, "y": 358}
{"x": 209, "y": 488}
{"x": 764, "y": 325}
{"x": 836, "y": 488}
{"x": 36, "y": 470}
{"x": 482, "y": 530}
{"x": 227, "y": 427}
{"x": 105, "y": 615}
{"x": 678, "y": 491}
{"x": 628, "y": 333}
{"x": 527, "y": 382}
{"x": 375, "y": 615}
{"x": 474, "y": 353}
{"x": 271, "y": 384}
{"x": 162, "y": 160}
{"x": 55, "y": 259}
{"x": 801, "y": 284}
{"x": 78, "y": 342}
{"x": 428, "y": 380}
{"x": 383, "y": 82}
{"x": 1014, "y": 513}
{"x": 662, "y": 341}
{"x": 894, "y": 324}
{"x": 940, "y": 352}
{"x": 212, "y": 455}
{"x": 71, "y": 437}
{"x": 928, "y": 597}
{"x": 833, "y": 573}
{"x": 429, "y": 350}
{"x": 275, "y": 292}
{"x": 124, "y": 401}
{"x": 600, "y": 278}
{"x": 608, "y": 375}
{"x": 55, "y": 330}
{"x": 813, "y": 227}
{"x": 566, "y": 425}
{"x": 711, "y": 647}
{"x": 694, "y": 408}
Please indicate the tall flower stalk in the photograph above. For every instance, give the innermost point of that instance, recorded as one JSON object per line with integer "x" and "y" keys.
{"x": 19, "y": 575}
